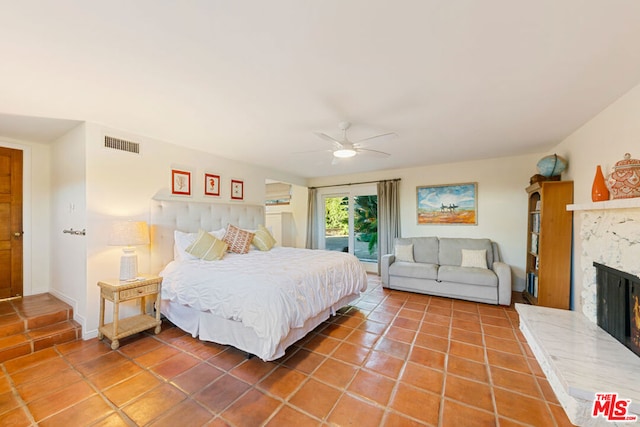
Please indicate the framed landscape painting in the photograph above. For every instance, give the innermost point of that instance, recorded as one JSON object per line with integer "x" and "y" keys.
{"x": 448, "y": 204}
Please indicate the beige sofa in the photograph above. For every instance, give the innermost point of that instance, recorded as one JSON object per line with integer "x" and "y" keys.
{"x": 468, "y": 269}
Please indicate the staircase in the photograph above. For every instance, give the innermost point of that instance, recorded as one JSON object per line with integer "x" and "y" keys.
{"x": 35, "y": 322}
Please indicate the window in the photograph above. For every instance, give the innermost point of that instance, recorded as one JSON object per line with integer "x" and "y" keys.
{"x": 278, "y": 193}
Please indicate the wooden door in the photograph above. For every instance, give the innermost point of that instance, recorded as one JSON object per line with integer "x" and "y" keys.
{"x": 10, "y": 222}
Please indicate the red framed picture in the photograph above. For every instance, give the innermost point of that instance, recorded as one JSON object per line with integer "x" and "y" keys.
{"x": 211, "y": 184}
{"x": 237, "y": 189}
{"x": 180, "y": 182}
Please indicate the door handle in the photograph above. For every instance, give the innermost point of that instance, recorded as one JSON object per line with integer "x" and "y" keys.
{"x": 18, "y": 234}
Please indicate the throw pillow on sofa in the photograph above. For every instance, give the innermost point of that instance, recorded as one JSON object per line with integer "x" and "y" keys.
{"x": 474, "y": 258}
{"x": 404, "y": 253}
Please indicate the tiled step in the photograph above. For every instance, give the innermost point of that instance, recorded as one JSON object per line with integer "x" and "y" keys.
{"x": 35, "y": 322}
{"x": 14, "y": 346}
{"x": 57, "y": 333}
{"x": 11, "y": 324}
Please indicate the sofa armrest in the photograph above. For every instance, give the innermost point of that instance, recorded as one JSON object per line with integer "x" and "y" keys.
{"x": 503, "y": 271}
{"x": 386, "y": 261}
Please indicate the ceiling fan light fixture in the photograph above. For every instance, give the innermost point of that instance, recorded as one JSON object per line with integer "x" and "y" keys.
{"x": 344, "y": 153}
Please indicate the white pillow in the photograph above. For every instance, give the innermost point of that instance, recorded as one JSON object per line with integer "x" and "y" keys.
{"x": 474, "y": 258}
{"x": 404, "y": 253}
{"x": 182, "y": 240}
{"x": 218, "y": 234}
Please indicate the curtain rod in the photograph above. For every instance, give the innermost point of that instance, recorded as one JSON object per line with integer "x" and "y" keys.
{"x": 356, "y": 183}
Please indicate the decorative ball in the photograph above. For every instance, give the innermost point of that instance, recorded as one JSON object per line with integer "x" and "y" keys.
{"x": 552, "y": 165}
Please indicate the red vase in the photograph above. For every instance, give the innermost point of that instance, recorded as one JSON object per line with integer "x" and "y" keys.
{"x": 599, "y": 190}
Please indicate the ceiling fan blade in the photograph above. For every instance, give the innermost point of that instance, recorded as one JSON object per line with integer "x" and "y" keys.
{"x": 375, "y": 152}
{"x": 328, "y": 138}
{"x": 374, "y": 137}
{"x": 312, "y": 151}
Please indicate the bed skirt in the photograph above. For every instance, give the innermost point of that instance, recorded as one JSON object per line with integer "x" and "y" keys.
{"x": 209, "y": 327}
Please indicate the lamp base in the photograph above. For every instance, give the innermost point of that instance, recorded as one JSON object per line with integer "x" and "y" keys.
{"x": 128, "y": 265}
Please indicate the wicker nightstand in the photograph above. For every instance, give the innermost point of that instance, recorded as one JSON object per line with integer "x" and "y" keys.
{"x": 117, "y": 291}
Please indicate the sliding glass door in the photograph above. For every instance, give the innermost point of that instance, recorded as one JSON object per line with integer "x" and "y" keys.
{"x": 351, "y": 223}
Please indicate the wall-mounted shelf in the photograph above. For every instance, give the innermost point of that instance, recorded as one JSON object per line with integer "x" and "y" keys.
{"x": 607, "y": 204}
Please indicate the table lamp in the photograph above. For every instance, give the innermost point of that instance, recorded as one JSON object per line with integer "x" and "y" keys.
{"x": 129, "y": 234}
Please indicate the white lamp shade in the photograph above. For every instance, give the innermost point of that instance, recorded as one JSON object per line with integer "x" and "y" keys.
{"x": 129, "y": 233}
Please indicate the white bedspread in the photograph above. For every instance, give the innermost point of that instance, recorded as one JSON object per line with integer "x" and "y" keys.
{"x": 270, "y": 292}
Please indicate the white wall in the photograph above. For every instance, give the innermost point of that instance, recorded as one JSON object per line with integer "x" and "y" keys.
{"x": 603, "y": 141}
{"x": 502, "y": 201}
{"x": 35, "y": 214}
{"x": 68, "y": 210}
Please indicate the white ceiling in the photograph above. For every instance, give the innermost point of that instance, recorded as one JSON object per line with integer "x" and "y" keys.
{"x": 251, "y": 80}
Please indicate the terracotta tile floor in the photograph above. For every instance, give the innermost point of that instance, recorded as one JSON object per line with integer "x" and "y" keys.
{"x": 393, "y": 359}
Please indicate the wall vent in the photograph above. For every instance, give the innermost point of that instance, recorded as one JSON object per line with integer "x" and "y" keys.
{"x": 121, "y": 144}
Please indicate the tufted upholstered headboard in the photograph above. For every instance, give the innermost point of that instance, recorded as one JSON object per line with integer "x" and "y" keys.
{"x": 169, "y": 215}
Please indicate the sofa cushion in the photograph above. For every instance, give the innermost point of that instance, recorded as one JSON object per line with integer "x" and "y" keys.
{"x": 468, "y": 275}
{"x": 425, "y": 249}
{"x": 419, "y": 270}
{"x": 451, "y": 250}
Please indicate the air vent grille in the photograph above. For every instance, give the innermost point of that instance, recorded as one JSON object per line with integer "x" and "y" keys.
{"x": 121, "y": 144}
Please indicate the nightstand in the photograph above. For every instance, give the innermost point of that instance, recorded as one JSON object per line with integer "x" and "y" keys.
{"x": 117, "y": 291}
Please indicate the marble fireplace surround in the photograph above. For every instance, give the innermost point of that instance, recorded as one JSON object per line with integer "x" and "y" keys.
{"x": 578, "y": 357}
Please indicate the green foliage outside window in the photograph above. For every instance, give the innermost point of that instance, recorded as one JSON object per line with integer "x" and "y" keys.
{"x": 366, "y": 220}
{"x": 337, "y": 216}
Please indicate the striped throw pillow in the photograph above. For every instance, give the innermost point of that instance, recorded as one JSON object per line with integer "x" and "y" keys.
{"x": 207, "y": 247}
{"x": 263, "y": 240}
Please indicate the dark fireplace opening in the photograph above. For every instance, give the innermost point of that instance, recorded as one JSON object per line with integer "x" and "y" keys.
{"x": 618, "y": 307}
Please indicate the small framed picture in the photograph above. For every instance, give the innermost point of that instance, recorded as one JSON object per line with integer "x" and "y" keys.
{"x": 237, "y": 189}
{"x": 211, "y": 184}
{"x": 180, "y": 182}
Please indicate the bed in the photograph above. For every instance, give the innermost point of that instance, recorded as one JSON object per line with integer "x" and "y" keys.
{"x": 260, "y": 302}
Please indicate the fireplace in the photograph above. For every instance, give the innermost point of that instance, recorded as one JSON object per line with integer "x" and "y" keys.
{"x": 618, "y": 305}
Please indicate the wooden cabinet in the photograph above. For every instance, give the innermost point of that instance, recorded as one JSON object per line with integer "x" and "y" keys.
{"x": 118, "y": 291}
{"x": 548, "y": 274}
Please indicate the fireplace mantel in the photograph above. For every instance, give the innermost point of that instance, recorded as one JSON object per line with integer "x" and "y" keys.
{"x": 607, "y": 204}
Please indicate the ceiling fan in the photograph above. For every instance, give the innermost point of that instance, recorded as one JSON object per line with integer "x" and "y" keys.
{"x": 343, "y": 148}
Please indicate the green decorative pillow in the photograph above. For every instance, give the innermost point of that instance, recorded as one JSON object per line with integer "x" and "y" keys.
{"x": 207, "y": 247}
{"x": 263, "y": 240}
